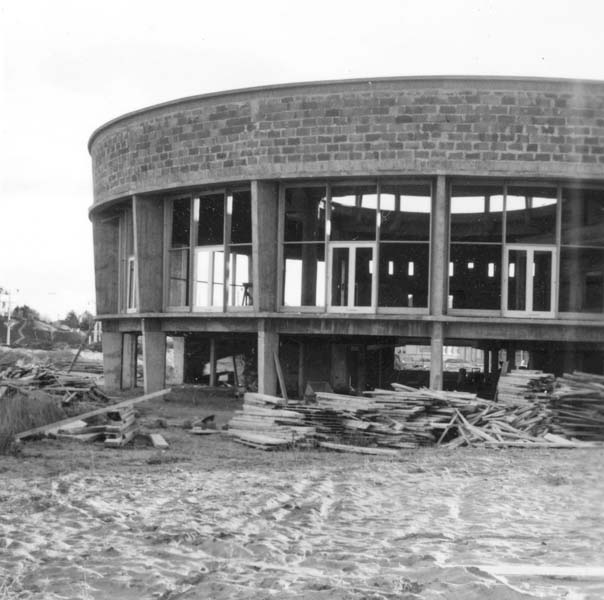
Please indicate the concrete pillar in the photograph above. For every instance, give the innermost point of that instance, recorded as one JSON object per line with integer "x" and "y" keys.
{"x": 510, "y": 356}
{"x": 106, "y": 264}
{"x": 268, "y": 346}
{"x": 129, "y": 360}
{"x": 148, "y": 243}
{"x": 178, "y": 346}
{"x": 154, "y": 356}
{"x": 112, "y": 360}
{"x": 485, "y": 358}
{"x": 265, "y": 202}
{"x": 439, "y": 255}
{"x": 212, "y": 362}
{"x": 436, "y": 356}
{"x": 301, "y": 370}
{"x": 339, "y": 368}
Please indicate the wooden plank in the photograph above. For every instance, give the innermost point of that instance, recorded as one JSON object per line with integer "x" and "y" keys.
{"x": 158, "y": 441}
{"x": 360, "y": 449}
{"x": 122, "y": 440}
{"x": 92, "y": 413}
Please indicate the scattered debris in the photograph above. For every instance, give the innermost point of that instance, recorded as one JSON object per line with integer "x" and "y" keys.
{"x": 158, "y": 441}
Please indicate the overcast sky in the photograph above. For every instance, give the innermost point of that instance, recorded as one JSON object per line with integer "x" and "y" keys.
{"x": 69, "y": 66}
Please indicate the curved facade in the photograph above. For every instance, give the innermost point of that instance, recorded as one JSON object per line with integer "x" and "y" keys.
{"x": 325, "y": 222}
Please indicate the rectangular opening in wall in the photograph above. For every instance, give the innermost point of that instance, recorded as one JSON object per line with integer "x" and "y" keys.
{"x": 477, "y": 213}
{"x": 478, "y": 287}
{"x": 581, "y": 280}
{"x": 178, "y": 253}
{"x": 239, "y": 205}
{"x": 405, "y": 212}
{"x": 209, "y": 217}
{"x": 403, "y": 275}
{"x": 240, "y": 275}
{"x": 304, "y": 275}
{"x": 531, "y": 215}
{"x": 353, "y": 213}
{"x": 305, "y": 214}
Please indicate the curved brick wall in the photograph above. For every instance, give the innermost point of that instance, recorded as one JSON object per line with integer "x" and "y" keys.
{"x": 407, "y": 126}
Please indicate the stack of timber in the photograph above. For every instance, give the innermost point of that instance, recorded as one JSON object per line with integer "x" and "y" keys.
{"x": 69, "y": 387}
{"x": 525, "y": 387}
{"x": 577, "y": 406}
{"x": 266, "y": 423}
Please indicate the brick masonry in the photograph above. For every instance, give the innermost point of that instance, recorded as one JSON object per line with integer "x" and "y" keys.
{"x": 407, "y": 126}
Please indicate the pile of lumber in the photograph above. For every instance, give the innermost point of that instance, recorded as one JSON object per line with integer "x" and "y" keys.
{"x": 385, "y": 421}
{"x": 577, "y": 406}
{"x": 115, "y": 424}
{"x": 69, "y": 387}
{"x": 116, "y": 429}
{"x": 523, "y": 386}
{"x": 264, "y": 422}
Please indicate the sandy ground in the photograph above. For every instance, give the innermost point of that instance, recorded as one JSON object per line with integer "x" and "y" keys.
{"x": 212, "y": 519}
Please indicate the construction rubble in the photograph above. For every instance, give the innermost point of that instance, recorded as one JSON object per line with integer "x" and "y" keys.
{"x": 531, "y": 409}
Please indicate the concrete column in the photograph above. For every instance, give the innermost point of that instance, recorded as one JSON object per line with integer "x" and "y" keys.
{"x": 301, "y": 370}
{"x": 106, "y": 264}
{"x": 339, "y": 368}
{"x": 268, "y": 345}
{"x": 439, "y": 255}
{"x": 265, "y": 202}
{"x": 112, "y": 360}
{"x": 129, "y": 360}
{"x": 212, "y": 362}
{"x": 436, "y": 356}
{"x": 149, "y": 246}
{"x": 154, "y": 356}
{"x": 178, "y": 375}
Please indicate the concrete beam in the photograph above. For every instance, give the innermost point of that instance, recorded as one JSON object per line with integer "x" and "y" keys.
{"x": 149, "y": 247}
{"x": 112, "y": 361}
{"x": 154, "y": 356}
{"x": 436, "y": 356}
{"x": 265, "y": 203}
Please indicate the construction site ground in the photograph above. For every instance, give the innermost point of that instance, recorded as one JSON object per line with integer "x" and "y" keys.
{"x": 209, "y": 518}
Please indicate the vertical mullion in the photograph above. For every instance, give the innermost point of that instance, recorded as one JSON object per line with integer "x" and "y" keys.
{"x": 328, "y": 253}
{"x": 192, "y": 253}
{"x": 504, "y": 251}
{"x": 226, "y": 241}
{"x": 352, "y": 273}
{"x": 530, "y": 279}
{"x": 556, "y": 256}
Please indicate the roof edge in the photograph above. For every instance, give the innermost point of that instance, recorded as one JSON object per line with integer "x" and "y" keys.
{"x": 328, "y": 82}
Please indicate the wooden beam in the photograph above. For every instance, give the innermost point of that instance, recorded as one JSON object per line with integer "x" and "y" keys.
{"x": 92, "y": 413}
{"x": 280, "y": 377}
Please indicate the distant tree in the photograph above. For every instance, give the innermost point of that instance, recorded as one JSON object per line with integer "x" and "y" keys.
{"x": 71, "y": 320}
{"x": 25, "y": 312}
{"x": 86, "y": 321}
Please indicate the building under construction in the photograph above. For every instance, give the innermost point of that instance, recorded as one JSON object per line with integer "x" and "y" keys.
{"x": 315, "y": 228}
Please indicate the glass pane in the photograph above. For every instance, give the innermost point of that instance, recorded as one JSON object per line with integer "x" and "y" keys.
{"x": 405, "y": 212}
{"x": 304, "y": 275}
{"x": 305, "y": 214}
{"x": 353, "y": 213}
{"x": 475, "y": 276}
{"x": 218, "y": 279}
{"x": 531, "y": 215}
{"x": 583, "y": 217}
{"x": 240, "y": 206}
{"x": 403, "y": 275}
{"x": 517, "y": 280}
{"x": 181, "y": 223}
{"x": 339, "y": 277}
{"x": 202, "y": 277}
{"x": 178, "y": 287}
{"x": 363, "y": 276}
{"x": 240, "y": 276}
{"x": 542, "y": 280}
{"x": 582, "y": 280}
{"x": 476, "y": 213}
{"x": 209, "y": 214}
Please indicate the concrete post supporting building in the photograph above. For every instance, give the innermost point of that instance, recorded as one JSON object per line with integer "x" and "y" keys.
{"x": 339, "y": 367}
{"x": 436, "y": 356}
{"x": 265, "y": 202}
{"x": 112, "y": 360}
{"x": 154, "y": 356}
{"x": 148, "y": 243}
{"x": 129, "y": 360}
{"x": 439, "y": 255}
{"x": 268, "y": 346}
{"x": 178, "y": 346}
{"x": 212, "y": 362}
